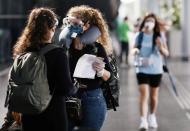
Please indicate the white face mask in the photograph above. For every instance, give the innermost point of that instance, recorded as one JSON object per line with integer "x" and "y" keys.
{"x": 149, "y": 25}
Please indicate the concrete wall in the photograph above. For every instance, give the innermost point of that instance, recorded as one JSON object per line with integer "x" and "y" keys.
{"x": 175, "y": 43}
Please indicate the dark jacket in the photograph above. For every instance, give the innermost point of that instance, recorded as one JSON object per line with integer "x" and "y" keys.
{"x": 54, "y": 118}
{"x": 94, "y": 49}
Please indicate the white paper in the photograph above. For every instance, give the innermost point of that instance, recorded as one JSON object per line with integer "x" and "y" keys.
{"x": 84, "y": 68}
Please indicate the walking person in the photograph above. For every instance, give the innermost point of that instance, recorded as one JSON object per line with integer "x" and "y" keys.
{"x": 123, "y": 30}
{"x": 137, "y": 25}
{"x": 149, "y": 48}
{"x": 93, "y": 102}
{"x": 37, "y": 35}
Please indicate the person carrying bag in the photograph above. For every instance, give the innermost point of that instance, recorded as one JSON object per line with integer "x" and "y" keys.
{"x": 40, "y": 78}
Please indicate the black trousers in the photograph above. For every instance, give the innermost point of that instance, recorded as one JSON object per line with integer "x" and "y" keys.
{"x": 124, "y": 49}
{"x": 53, "y": 119}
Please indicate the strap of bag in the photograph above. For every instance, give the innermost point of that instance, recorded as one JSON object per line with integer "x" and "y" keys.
{"x": 111, "y": 98}
{"x": 110, "y": 67}
{"x": 108, "y": 87}
{"x": 7, "y": 96}
{"x": 140, "y": 39}
{"x": 48, "y": 48}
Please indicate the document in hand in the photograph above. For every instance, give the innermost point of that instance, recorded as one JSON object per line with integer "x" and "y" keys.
{"x": 84, "y": 68}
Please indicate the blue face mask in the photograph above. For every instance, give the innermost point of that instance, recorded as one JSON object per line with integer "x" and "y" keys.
{"x": 74, "y": 31}
{"x": 68, "y": 33}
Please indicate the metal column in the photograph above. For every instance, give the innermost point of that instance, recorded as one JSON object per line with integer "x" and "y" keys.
{"x": 185, "y": 30}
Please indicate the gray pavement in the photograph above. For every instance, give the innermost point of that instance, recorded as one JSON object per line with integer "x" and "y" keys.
{"x": 173, "y": 112}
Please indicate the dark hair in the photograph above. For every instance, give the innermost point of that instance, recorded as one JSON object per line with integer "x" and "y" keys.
{"x": 39, "y": 22}
{"x": 156, "y": 30}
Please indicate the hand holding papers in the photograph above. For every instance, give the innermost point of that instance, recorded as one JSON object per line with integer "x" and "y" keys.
{"x": 84, "y": 68}
{"x": 99, "y": 66}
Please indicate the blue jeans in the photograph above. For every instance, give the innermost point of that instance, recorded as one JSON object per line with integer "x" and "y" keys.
{"x": 94, "y": 109}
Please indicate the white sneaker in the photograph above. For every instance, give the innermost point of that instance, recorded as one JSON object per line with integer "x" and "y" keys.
{"x": 144, "y": 124}
{"x": 152, "y": 121}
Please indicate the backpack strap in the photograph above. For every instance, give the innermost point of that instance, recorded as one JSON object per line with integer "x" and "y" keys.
{"x": 47, "y": 48}
{"x": 140, "y": 39}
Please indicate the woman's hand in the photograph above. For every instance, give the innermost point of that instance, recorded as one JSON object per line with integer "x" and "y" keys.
{"x": 135, "y": 51}
{"x": 99, "y": 66}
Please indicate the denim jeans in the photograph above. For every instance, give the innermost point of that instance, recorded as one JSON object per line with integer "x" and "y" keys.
{"x": 94, "y": 109}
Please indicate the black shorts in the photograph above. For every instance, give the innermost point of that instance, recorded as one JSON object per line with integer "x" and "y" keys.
{"x": 151, "y": 80}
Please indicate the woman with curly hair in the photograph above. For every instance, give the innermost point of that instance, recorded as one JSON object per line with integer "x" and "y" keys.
{"x": 93, "y": 102}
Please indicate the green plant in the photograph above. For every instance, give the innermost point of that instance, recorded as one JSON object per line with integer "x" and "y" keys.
{"x": 176, "y": 13}
{"x": 173, "y": 12}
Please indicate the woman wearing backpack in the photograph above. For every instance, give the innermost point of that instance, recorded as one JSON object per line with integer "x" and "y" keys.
{"x": 149, "y": 48}
{"x": 93, "y": 102}
{"x": 37, "y": 35}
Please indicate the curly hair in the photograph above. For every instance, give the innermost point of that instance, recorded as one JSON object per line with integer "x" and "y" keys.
{"x": 94, "y": 17}
{"x": 39, "y": 22}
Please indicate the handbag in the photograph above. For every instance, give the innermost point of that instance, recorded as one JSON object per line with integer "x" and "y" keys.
{"x": 74, "y": 108}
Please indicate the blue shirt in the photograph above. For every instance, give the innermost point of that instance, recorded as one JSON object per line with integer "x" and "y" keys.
{"x": 153, "y": 55}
